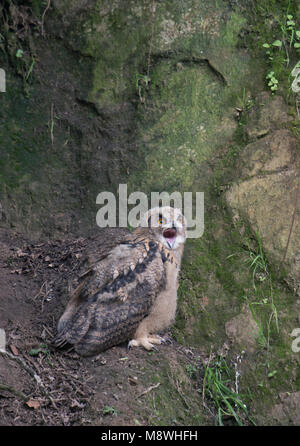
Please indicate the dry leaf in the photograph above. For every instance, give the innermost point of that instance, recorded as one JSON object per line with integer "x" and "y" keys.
{"x": 14, "y": 349}
{"x": 34, "y": 404}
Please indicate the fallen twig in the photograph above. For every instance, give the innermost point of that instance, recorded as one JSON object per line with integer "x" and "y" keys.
{"x": 31, "y": 372}
{"x": 40, "y": 292}
{"x": 22, "y": 362}
{"x": 148, "y": 390}
{"x": 43, "y": 17}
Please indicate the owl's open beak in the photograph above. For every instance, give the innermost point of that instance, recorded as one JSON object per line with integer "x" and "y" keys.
{"x": 170, "y": 236}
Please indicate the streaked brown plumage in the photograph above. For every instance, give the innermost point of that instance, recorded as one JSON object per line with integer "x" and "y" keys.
{"x": 119, "y": 296}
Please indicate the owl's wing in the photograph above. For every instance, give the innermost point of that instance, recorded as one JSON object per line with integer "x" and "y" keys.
{"x": 99, "y": 247}
{"x": 114, "y": 297}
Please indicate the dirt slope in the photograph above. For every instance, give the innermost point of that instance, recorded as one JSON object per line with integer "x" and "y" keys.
{"x": 118, "y": 387}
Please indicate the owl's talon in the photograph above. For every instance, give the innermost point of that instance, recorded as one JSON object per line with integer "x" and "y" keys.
{"x": 155, "y": 339}
{"x": 143, "y": 342}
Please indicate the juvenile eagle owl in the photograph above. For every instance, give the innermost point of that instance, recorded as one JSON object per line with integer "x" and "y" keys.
{"x": 131, "y": 293}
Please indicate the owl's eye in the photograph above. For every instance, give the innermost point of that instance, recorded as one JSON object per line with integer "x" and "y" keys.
{"x": 161, "y": 220}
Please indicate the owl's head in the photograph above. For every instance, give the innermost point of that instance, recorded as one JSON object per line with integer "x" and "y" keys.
{"x": 167, "y": 225}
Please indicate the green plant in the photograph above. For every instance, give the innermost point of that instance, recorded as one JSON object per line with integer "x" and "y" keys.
{"x": 216, "y": 387}
{"x": 42, "y": 348}
{"x": 260, "y": 273}
{"x": 272, "y": 81}
{"x": 279, "y": 51}
{"x": 294, "y": 34}
{"x": 269, "y": 48}
{"x": 29, "y": 71}
{"x": 19, "y": 53}
{"x": 268, "y": 305}
{"x": 258, "y": 263}
{"x": 271, "y": 374}
{"x": 24, "y": 67}
{"x": 108, "y": 410}
{"x": 192, "y": 370}
{"x": 141, "y": 82}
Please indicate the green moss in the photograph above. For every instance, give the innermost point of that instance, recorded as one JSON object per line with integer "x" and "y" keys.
{"x": 117, "y": 38}
{"x": 214, "y": 278}
{"x": 174, "y": 401}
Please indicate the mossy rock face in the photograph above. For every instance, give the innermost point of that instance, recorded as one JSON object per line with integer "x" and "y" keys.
{"x": 265, "y": 194}
{"x": 188, "y": 111}
{"x": 261, "y": 200}
{"x": 115, "y": 93}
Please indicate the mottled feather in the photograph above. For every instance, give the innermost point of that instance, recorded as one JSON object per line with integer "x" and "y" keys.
{"x": 97, "y": 317}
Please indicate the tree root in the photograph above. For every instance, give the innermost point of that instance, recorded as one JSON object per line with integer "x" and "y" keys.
{"x": 16, "y": 392}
